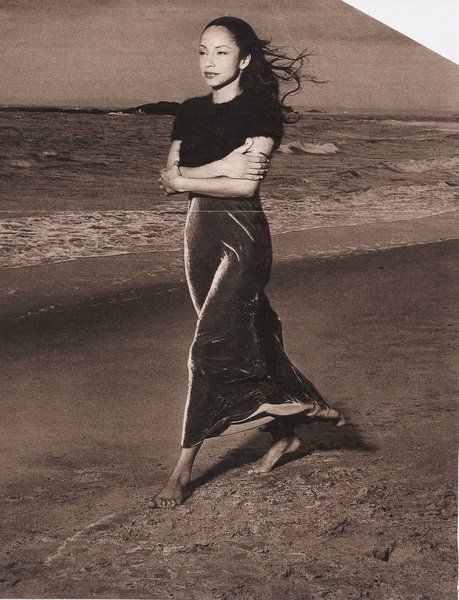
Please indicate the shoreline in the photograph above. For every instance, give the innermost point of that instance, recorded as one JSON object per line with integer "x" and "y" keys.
{"x": 34, "y": 289}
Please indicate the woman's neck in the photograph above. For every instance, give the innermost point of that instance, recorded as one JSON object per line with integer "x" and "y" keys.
{"x": 227, "y": 92}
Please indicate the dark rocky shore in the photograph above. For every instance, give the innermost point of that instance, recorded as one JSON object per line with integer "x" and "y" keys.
{"x": 152, "y": 108}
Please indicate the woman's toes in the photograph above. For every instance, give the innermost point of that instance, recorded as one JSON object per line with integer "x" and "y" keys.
{"x": 257, "y": 469}
{"x": 341, "y": 421}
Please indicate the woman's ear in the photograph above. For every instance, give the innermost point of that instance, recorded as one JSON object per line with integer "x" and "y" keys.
{"x": 245, "y": 61}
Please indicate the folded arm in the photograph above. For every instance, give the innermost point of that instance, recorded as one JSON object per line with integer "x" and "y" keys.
{"x": 213, "y": 169}
{"x": 241, "y": 163}
{"x": 219, "y": 186}
{"x": 238, "y": 174}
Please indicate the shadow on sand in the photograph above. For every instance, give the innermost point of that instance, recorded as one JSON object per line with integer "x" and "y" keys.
{"x": 315, "y": 436}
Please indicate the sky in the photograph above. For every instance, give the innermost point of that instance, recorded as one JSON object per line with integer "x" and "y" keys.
{"x": 126, "y": 52}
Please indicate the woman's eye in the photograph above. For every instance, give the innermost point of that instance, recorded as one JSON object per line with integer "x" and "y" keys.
{"x": 221, "y": 52}
{"x": 201, "y": 52}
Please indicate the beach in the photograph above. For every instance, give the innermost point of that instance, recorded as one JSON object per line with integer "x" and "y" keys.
{"x": 96, "y": 324}
{"x": 95, "y": 354}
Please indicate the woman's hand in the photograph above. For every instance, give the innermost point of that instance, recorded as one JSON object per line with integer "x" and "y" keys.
{"x": 240, "y": 165}
{"x": 170, "y": 180}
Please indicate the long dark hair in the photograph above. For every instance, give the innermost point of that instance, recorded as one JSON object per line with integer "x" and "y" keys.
{"x": 268, "y": 67}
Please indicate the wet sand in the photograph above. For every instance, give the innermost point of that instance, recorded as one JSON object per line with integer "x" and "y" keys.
{"x": 92, "y": 400}
{"x": 34, "y": 290}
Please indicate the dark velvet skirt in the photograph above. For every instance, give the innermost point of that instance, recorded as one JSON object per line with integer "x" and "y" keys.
{"x": 239, "y": 374}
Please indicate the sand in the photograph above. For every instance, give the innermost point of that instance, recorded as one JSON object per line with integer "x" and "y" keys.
{"x": 92, "y": 400}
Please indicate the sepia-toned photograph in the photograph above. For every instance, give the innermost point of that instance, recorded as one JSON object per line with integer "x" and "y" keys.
{"x": 228, "y": 299}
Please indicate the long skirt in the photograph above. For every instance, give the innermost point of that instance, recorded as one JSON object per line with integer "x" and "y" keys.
{"x": 239, "y": 374}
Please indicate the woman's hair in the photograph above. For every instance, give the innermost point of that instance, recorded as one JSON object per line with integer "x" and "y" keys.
{"x": 268, "y": 67}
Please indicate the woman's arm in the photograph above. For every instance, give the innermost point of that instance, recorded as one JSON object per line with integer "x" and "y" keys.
{"x": 214, "y": 169}
{"x": 174, "y": 154}
{"x": 220, "y": 186}
{"x": 241, "y": 163}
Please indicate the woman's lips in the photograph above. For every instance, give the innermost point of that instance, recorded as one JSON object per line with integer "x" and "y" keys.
{"x": 210, "y": 75}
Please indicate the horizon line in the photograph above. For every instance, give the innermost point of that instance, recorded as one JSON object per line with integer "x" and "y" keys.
{"x": 325, "y": 109}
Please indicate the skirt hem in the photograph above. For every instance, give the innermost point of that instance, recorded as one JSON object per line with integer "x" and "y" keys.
{"x": 266, "y": 414}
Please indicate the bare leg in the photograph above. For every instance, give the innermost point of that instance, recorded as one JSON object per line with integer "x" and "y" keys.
{"x": 284, "y": 442}
{"x": 174, "y": 492}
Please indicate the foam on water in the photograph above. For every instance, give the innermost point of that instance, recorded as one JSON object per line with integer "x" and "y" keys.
{"x": 69, "y": 235}
{"x": 438, "y": 125}
{"x": 303, "y": 148}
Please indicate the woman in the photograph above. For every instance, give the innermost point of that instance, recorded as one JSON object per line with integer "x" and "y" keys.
{"x": 239, "y": 374}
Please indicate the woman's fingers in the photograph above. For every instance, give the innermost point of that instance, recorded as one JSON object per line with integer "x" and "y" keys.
{"x": 253, "y": 171}
{"x": 258, "y": 159}
{"x": 259, "y": 164}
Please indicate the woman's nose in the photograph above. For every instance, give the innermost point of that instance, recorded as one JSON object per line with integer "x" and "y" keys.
{"x": 210, "y": 62}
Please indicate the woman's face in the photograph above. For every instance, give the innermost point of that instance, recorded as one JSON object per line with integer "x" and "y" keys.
{"x": 218, "y": 56}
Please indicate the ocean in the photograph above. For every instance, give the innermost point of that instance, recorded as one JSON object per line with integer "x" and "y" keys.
{"x": 85, "y": 185}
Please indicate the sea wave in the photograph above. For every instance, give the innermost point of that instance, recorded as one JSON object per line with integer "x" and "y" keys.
{"x": 71, "y": 235}
{"x": 305, "y": 148}
{"x": 437, "y": 125}
{"x": 66, "y": 235}
{"x": 444, "y": 163}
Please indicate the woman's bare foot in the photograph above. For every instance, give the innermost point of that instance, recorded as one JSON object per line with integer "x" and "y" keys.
{"x": 331, "y": 414}
{"x": 283, "y": 446}
{"x": 172, "y": 494}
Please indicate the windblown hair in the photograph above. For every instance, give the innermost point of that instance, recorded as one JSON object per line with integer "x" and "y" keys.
{"x": 269, "y": 67}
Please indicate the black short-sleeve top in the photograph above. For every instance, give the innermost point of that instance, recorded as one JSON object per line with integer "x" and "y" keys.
{"x": 211, "y": 131}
